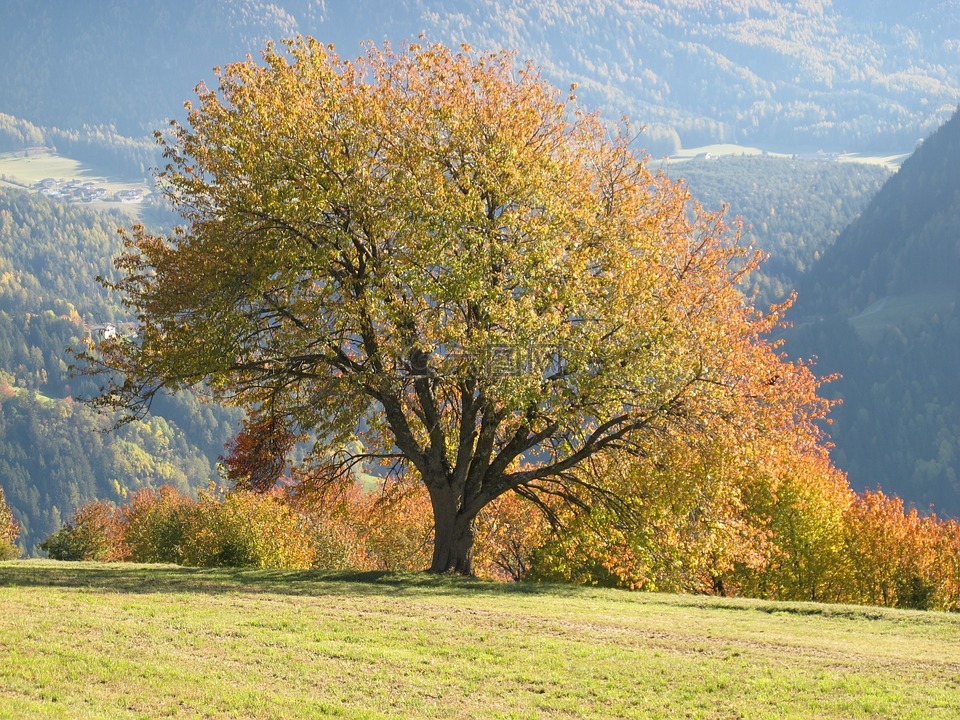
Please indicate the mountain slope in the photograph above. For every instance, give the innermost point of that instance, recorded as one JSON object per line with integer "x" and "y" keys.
{"x": 55, "y": 453}
{"x": 846, "y": 75}
{"x": 909, "y": 232}
{"x": 881, "y": 309}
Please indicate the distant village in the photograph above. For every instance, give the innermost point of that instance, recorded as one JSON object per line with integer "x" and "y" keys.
{"x": 85, "y": 191}
{"x": 819, "y": 156}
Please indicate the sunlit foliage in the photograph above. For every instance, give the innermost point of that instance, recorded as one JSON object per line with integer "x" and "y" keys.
{"x": 435, "y": 260}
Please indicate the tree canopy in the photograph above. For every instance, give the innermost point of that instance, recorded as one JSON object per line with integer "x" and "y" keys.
{"x": 434, "y": 261}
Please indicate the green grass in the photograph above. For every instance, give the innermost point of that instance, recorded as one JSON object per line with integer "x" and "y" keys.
{"x": 891, "y": 161}
{"x": 24, "y": 171}
{"x": 719, "y": 150}
{"x": 88, "y": 640}
{"x": 898, "y": 311}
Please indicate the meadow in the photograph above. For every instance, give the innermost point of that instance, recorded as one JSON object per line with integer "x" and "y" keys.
{"x": 891, "y": 161}
{"x": 899, "y": 311}
{"x": 84, "y": 640}
{"x": 23, "y": 171}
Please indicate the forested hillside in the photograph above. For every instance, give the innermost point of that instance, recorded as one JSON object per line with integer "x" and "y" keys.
{"x": 94, "y": 79}
{"x": 842, "y": 75}
{"x": 881, "y": 308}
{"x": 793, "y": 209}
{"x": 54, "y": 454}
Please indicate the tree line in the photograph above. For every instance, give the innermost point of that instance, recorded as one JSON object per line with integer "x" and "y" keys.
{"x": 818, "y": 543}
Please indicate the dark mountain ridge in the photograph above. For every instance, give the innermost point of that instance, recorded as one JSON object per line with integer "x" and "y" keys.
{"x": 910, "y": 232}
{"x": 880, "y": 307}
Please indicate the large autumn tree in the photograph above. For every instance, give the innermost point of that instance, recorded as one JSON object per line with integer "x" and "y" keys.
{"x": 435, "y": 261}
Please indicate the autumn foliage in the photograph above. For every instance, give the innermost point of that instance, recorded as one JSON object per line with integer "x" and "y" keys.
{"x": 446, "y": 274}
{"x": 281, "y": 528}
{"x": 162, "y": 526}
{"x": 813, "y": 539}
{"x": 898, "y": 557}
{"x": 257, "y": 457}
{"x": 9, "y": 530}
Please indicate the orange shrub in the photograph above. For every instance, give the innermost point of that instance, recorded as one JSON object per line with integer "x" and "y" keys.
{"x": 95, "y": 533}
{"x": 9, "y": 531}
{"x": 362, "y": 528}
{"x": 509, "y": 530}
{"x": 901, "y": 558}
{"x": 399, "y": 526}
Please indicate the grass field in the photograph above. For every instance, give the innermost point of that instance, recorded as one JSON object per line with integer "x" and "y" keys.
{"x": 898, "y": 311}
{"x": 890, "y": 161}
{"x": 718, "y": 150}
{"x": 88, "y": 640}
{"x": 24, "y": 171}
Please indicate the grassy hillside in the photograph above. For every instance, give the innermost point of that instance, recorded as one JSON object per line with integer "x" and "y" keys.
{"x": 899, "y": 311}
{"x": 24, "y": 171}
{"x": 87, "y": 640}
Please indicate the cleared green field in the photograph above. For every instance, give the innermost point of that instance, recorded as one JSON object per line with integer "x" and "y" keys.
{"x": 24, "y": 171}
{"x": 890, "y": 161}
{"x": 88, "y": 640}
{"x": 898, "y": 311}
{"x": 720, "y": 150}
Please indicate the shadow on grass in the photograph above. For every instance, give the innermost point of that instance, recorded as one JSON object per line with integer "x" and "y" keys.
{"x": 135, "y": 578}
{"x": 174, "y": 579}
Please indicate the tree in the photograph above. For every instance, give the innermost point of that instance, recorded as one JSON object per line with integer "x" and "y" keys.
{"x": 436, "y": 254}
{"x": 9, "y": 530}
{"x": 96, "y": 532}
{"x": 257, "y": 455}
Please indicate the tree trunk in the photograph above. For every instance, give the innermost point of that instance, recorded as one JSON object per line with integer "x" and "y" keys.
{"x": 452, "y": 540}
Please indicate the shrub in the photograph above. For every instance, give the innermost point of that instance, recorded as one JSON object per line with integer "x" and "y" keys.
{"x": 241, "y": 529}
{"x": 245, "y": 529}
{"x": 330, "y": 515}
{"x": 95, "y": 533}
{"x": 901, "y": 558}
{"x": 156, "y": 523}
{"x": 509, "y": 530}
{"x": 398, "y": 528}
{"x": 9, "y": 530}
{"x": 361, "y": 528}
